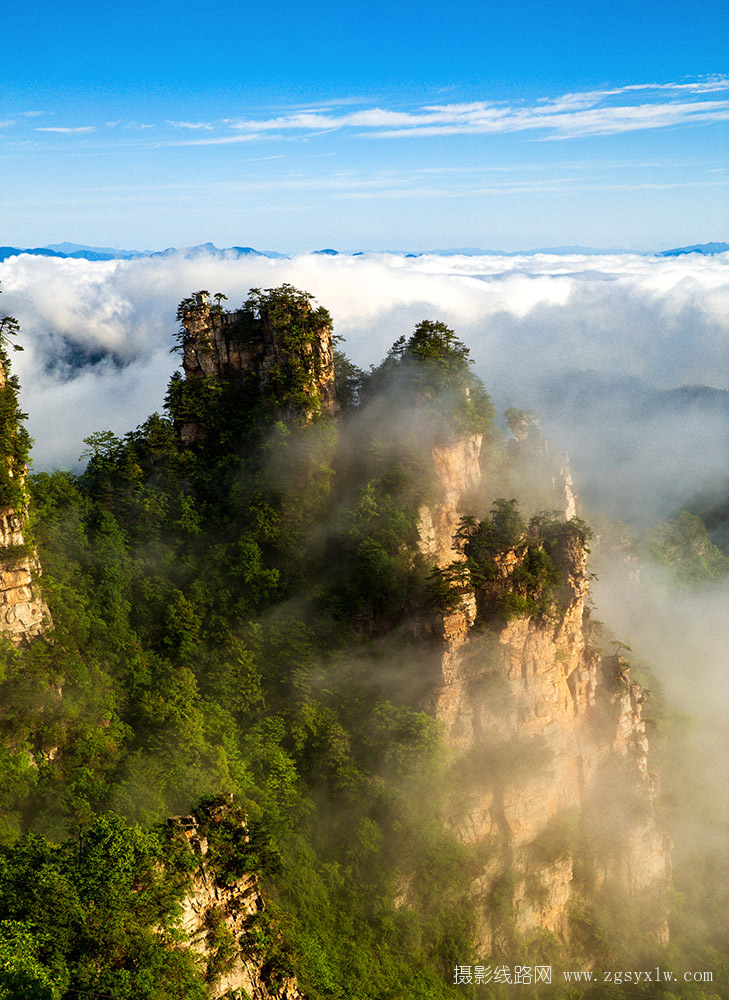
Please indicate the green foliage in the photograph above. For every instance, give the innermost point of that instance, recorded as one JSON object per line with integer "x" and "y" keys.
{"x": 480, "y": 541}
{"x": 501, "y": 898}
{"x": 533, "y": 581}
{"x": 186, "y": 306}
{"x": 9, "y": 327}
{"x": 525, "y": 582}
{"x": 430, "y": 371}
{"x": 683, "y": 545}
{"x": 348, "y": 380}
{"x": 515, "y": 418}
{"x": 436, "y": 345}
{"x": 94, "y": 916}
{"x": 294, "y": 381}
{"x": 22, "y": 974}
{"x": 15, "y": 442}
{"x": 446, "y": 587}
{"x": 551, "y": 527}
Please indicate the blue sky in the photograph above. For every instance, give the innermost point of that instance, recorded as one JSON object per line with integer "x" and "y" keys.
{"x": 387, "y": 125}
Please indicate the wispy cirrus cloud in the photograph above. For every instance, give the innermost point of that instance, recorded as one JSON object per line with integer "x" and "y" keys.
{"x": 569, "y": 116}
{"x": 595, "y": 112}
{"x": 63, "y": 130}
{"x": 220, "y": 140}
{"x": 607, "y": 111}
{"x": 191, "y": 125}
{"x": 562, "y": 121}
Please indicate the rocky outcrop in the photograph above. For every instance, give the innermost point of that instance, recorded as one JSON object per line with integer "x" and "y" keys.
{"x": 23, "y": 613}
{"x": 220, "y": 916}
{"x": 548, "y": 737}
{"x": 272, "y": 353}
{"x": 457, "y": 471}
{"x": 540, "y": 462}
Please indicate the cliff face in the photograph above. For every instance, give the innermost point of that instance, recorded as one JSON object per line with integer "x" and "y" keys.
{"x": 457, "y": 471}
{"x": 220, "y": 916}
{"x": 549, "y": 738}
{"x": 276, "y": 354}
{"x": 23, "y": 613}
{"x": 22, "y": 609}
{"x": 532, "y": 450}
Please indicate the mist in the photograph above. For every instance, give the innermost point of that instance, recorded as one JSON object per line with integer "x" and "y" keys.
{"x": 592, "y": 344}
{"x": 597, "y": 348}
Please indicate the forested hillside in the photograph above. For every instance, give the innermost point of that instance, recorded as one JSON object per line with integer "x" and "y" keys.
{"x": 345, "y": 599}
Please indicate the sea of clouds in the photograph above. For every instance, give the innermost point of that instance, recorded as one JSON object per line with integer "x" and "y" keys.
{"x": 97, "y": 339}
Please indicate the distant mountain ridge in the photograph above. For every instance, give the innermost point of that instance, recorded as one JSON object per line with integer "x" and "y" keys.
{"x": 707, "y": 249}
{"x": 80, "y": 251}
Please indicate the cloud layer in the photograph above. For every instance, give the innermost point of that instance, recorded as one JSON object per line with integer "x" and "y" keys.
{"x": 97, "y": 339}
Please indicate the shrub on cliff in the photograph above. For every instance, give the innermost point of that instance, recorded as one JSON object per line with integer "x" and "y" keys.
{"x": 15, "y": 441}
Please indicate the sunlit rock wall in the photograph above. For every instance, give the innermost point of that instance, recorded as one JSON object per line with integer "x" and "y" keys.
{"x": 23, "y": 613}
{"x": 548, "y": 737}
{"x": 219, "y": 916}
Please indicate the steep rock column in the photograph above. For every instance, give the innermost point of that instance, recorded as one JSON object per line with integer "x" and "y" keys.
{"x": 548, "y": 737}
{"x": 23, "y": 613}
{"x": 457, "y": 471}
{"x": 536, "y": 454}
{"x": 277, "y": 343}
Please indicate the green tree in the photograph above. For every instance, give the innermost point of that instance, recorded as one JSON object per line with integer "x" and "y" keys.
{"x": 431, "y": 370}
{"x": 22, "y": 975}
{"x": 15, "y": 442}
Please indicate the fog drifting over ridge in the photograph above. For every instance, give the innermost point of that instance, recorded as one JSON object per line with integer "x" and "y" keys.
{"x": 97, "y": 338}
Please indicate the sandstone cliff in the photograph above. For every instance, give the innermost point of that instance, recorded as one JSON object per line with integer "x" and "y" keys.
{"x": 535, "y": 456}
{"x": 551, "y": 747}
{"x": 222, "y": 916}
{"x": 23, "y": 613}
{"x": 277, "y": 343}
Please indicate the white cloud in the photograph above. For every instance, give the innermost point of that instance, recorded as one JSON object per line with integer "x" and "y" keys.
{"x": 221, "y": 140}
{"x": 587, "y": 113}
{"x": 663, "y": 320}
{"x": 608, "y": 111}
{"x": 191, "y": 125}
{"x": 563, "y": 120}
{"x": 63, "y": 130}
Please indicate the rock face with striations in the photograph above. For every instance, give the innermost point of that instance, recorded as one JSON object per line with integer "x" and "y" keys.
{"x": 23, "y": 613}
{"x": 548, "y": 735}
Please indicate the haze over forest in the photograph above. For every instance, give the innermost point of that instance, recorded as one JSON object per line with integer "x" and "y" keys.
{"x": 281, "y": 525}
{"x": 596, "y": 343}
